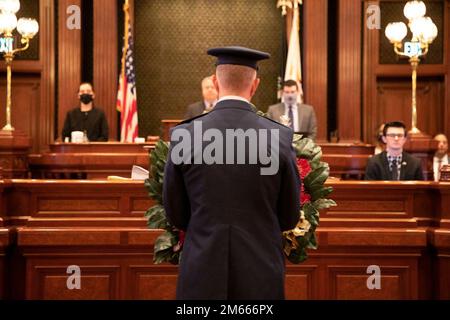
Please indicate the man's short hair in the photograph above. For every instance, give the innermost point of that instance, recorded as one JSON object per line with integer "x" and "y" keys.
{"x": 440, "y": 134}
{"x": 394, "y": 124}
{"x": 235, "y": 77}
{"x": 290, "y": 83}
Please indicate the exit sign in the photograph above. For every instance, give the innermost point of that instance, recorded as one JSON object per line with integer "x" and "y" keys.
{"x": 6, "y": 45}
{"x": 413, "y": 49}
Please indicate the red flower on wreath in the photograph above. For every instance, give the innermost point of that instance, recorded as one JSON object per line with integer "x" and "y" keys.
{"x": 303, "y": 169}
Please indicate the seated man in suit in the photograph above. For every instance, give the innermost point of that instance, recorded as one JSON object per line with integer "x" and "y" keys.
{"x": 441, "y": 155}
{"x": 393, "y": 163}
{"x": 210, "y": 95}
{"x": 302, "y": 116}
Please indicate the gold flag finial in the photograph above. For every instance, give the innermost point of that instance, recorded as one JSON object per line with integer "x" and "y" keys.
{"x": 284, "y": 4}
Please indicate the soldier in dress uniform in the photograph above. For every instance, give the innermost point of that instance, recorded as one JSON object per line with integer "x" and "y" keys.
{"x": 232, "y": 213}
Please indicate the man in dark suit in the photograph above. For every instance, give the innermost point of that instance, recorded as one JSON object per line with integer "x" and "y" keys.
{"x": 301, "y": 117}
{"x": 394, "y": 164}
{"x": 209, "y": 93}
{"x": 440, "y": 158}
{"x": 233, "y": 211}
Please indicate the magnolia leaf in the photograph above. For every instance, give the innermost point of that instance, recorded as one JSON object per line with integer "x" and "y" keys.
{"x": 165, "y": 241}
{"x": 161, "y": 150}
{"x": 317, "y": 155}
{"x": 158, "y": 158}
{"x": 317, "y": 164}
{"x": 304, "y": 149}
{"x": 312, "y": 241}
{"x": 321, "y": 192}
{"x": 157, "y": 218}
{"x": 155, "y": 190}
{"x": 309, "y": 209}
{"x": 296, "y": 139}
{"x": 316, "y": 178}
{"x": 297, "y": 256}
{"x": 149, "y": 184}
{"x": 322, "y": 204}
{"x": 166, "y": 256}
{"x": 154, "y": 160}
{"x": 311, "y": 214}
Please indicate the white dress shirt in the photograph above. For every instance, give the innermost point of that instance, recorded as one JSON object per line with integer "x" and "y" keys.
{"x": 207, "y": 104}
{"x": 436, "y": 166}
{"x": 233, "y": 98}
{"x": 295, "y": 112}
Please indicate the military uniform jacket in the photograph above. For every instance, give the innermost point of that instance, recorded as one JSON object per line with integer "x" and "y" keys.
{"x": 233, "y": 215}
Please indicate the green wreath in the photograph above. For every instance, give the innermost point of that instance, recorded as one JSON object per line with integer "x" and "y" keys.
{"x": 314, "y": 173}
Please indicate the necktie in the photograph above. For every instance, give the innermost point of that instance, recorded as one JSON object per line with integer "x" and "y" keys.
{"x": 394, "y": 170}
{"x": 291, "y": 117}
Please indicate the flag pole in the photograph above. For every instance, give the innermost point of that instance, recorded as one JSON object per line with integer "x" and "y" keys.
{"x": 126, "y": 10}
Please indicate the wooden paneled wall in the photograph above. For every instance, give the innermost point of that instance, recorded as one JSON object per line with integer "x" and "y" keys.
{"x": 349, "y": 71}
{"x": 106, "y": 60}
{"x": 33, "y": 86}
{"x": 368, "y": 92}
{"x": 69, "y": 63}
{"x": 315, "y": 76}
{"x": 35, "y": 81}
{"x": 25, "y": 104}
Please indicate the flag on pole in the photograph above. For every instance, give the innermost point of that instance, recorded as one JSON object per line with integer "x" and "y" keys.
{"x": 126, "y": 96}
{"x": 294, "y": 61}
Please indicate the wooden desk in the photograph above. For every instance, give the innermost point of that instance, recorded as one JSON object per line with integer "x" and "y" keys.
{"x": 402, "y": 227}
{"x": 89, "y": 160}
{"x": 347, "y": 161}
{"x": 166, "y": 125}
{"x": 4, "y": 243}
{"x": 100, "y": 160}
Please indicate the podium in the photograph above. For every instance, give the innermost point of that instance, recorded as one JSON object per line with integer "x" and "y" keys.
{"x": 166, "y": 125}
{"x": 14, "y": 149}
{"x": 423, "y": 147}
{"x": 93, "y": 160}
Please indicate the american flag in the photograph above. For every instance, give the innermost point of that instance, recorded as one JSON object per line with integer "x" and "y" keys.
{"x": 126, "y": 96}
{"x": 294, "y": 60}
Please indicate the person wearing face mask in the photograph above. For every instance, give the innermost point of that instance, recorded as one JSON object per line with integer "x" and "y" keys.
{"x": 302, "y": 118}
{"x": 86, "y": 118}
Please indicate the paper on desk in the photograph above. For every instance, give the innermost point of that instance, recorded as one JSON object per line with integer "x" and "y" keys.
{"x": 139, "y": 173}
{"x": 117, "y": 178}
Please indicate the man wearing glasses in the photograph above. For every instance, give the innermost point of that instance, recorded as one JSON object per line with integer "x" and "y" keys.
{"x": 394, "y": 164}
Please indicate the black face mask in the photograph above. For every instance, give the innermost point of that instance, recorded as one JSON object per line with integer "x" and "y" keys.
{"x": 86, "y": 98}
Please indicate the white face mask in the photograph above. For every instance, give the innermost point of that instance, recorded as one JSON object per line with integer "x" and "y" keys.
{"x": 290, "y": 98}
